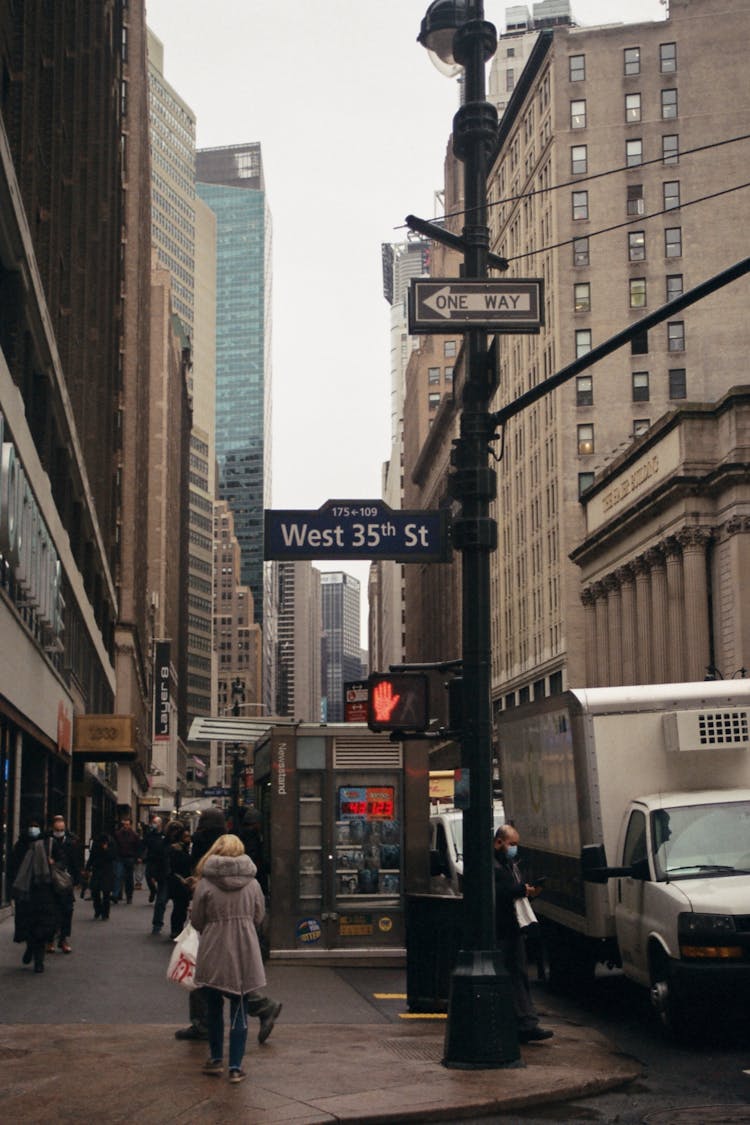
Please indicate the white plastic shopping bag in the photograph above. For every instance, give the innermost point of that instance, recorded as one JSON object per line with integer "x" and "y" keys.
{"x": 182, "y": 962}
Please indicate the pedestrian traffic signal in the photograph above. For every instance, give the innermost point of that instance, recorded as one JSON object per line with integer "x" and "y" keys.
{"x": 398, "y": 701}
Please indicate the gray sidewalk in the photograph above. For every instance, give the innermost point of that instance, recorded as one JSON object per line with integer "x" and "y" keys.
{"x": 92, "y": 1039}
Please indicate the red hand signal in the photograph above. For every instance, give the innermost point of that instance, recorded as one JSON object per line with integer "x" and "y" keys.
{"x": 384, "y": 702}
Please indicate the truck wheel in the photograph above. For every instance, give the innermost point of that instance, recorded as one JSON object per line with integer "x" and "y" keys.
{"x": 666, "y": 1002}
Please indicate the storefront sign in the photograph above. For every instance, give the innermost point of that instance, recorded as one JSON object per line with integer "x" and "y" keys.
{"x": 25, "y": 541}
{"x": 161, "y": 691}
{"x": 385, "y": 924}
{"x": 355, "y": 925}
{"x": 366, "y": 801}
{"x": 281, "y": 769}
{"x": 103, "y": 738}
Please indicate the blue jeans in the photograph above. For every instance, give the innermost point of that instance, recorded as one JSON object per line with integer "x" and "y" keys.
{"x": 237, "y": 1027}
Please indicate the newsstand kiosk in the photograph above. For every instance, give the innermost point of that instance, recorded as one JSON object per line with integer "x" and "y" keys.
{"x": 345, "y": 835}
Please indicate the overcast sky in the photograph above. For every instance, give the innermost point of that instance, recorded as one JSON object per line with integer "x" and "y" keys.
{"x": 353, "y": 121}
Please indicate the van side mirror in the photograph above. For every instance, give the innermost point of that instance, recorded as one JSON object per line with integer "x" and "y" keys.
{"x": 594, "y": 863}
{"x": 640, "y": 870}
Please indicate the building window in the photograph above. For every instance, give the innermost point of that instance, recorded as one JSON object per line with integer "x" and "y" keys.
{"x": 578, "y": 114}
{"x": 671, "y": 194}
{"x": 637, "y": 292}
{"x": 449, "y": 349}
{"x": 637, "y": 246}
{"x": 577, "y": 65}
{"x": 578, "y": 159}
{"x": 632, "y": 60}
{"x": 670, "y": 148}
{"x": 677, "y": 383}
{"x": 640, "y": 386}
{"x": 580, "y": 204}
{"x": 433, "y": 375}
{"x": 582, "y": 296}
{"x": 674, "y": 286}
{"x": 673, "y": 242}
{"x": 585, "y": 480}
{"x": 640, "y": 425}
{"x": 583, "y": 341}
{"x": 676, "y": 336}
{"x": 580, "y": 251}
{"x": 433, "y": 400}
{"x": 636, "y": 203}
{"x": 639, "y": 344}
{"x": 585, "y": 390}
{"x": 510, "y": 81}
{"x": 448, "y": 374}
{"x": 667, "y": 58}
{"x": 634, "y": 153}
{"x": 668, "y": 104}
{"x": 585, "y": 439}
{"x": 632, "y": 108}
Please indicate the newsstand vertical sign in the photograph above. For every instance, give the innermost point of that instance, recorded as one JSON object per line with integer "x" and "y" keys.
{"x": 161, "y": 691}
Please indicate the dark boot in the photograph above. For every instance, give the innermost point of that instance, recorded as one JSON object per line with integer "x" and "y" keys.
{"x": 28, "y": 955}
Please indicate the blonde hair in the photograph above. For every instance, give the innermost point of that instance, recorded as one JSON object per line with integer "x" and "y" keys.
{"x": 224, "y": 845}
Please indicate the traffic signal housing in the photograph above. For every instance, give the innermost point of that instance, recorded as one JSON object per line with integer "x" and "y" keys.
{"x": 398, "y": 701}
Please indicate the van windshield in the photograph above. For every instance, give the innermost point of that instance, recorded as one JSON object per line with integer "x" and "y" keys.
{"x": 698, "y": 839}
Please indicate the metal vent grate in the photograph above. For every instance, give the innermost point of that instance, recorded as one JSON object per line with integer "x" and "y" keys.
{"x": 366, "y": 751}
{"x": 728, "y": 729}
{"x": 420, "y": 1050}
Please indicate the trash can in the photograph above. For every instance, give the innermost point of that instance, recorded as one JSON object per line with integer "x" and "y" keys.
{"x": 434, "y": 935}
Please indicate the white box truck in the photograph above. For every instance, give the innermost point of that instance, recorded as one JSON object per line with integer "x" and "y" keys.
{"x": 656, "y": 781}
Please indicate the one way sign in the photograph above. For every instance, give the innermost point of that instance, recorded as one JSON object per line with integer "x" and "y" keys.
{"x": 443, "y": 304}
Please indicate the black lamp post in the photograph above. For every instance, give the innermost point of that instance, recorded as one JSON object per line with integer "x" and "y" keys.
{"x": 481, "y": 1031}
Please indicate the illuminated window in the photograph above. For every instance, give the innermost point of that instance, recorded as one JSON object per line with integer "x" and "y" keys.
{"x": 585, "y": 439}
{"x": 637, "y": 292}
{"x": 632, "y": 60}
{"x": 582, "y": 296}
{"x": 577, "y": 65}
{"x": 632, "y": 108}
{"x": 636, "y": 246}
{"x": 578, "y": 114}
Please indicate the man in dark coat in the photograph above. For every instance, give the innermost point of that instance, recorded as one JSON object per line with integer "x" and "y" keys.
{"x": 211, "y": 825}
{"x": 36, "y": 916}
{"x": 511, "y": 888}
{"x": 64, "y": 848}
{"x": 128, "y": 848}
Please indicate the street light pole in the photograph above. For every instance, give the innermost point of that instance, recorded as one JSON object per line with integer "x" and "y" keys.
{"x": 481, "y": 1030}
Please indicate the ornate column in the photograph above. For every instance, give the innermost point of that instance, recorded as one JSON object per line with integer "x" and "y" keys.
{"x": 697, "y": 637}
{"x": 643, "y": 621}
{"x": 626, "y": 578}
{"x": 675, "y": 612}
{"x": 658, "y": 627}
{"x": 614, "y": 616}
{"x": 589, "y": 608}
{"x": 602, "y": 635}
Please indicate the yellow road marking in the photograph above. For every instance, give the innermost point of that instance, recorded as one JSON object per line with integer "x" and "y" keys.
{"x": 423, "y": 1015}
{"x": 389, "y": 995}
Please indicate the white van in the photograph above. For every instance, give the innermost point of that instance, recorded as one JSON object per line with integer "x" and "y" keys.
{"x": 447, "y": 848}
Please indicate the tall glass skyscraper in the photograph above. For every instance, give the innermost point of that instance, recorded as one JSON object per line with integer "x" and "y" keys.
{"x": 230, "y": 181}
{"x": 340, "y": 607}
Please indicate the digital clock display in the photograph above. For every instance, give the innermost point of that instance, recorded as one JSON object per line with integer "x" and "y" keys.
{"x": 366, "y": 802}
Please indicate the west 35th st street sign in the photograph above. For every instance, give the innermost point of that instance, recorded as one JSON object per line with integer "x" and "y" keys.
{"x": 445, "y": 304}
{"x": 356, "y": 529}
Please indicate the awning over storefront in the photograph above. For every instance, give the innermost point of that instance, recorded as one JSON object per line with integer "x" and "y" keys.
{"x": 234, "y": 728}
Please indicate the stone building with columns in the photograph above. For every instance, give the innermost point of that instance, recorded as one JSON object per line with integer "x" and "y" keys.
{"x": 666, "y": 553}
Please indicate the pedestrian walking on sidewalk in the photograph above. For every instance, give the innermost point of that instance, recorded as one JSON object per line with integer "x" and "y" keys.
{"x": 510, "y": 889}
{"x": 101, "y": 864}
{"x": 180, "y": 870}
{"x": 211, "y": 826}
{"x": 228, "y": 906}
{"x": 36, "y": 915}
{"x": 127, "y": 848}
{"x": 157, "y": 871}
{"x": 64, "y": 849}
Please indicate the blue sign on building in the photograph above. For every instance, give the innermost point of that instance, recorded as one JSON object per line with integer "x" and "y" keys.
{"x": 357, "y": 529}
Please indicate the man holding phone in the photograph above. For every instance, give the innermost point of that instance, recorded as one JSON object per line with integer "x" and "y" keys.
{"x": 510, "y": 888}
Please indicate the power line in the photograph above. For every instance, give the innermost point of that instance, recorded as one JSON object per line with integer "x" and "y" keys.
{"x": 628, "y": 222}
